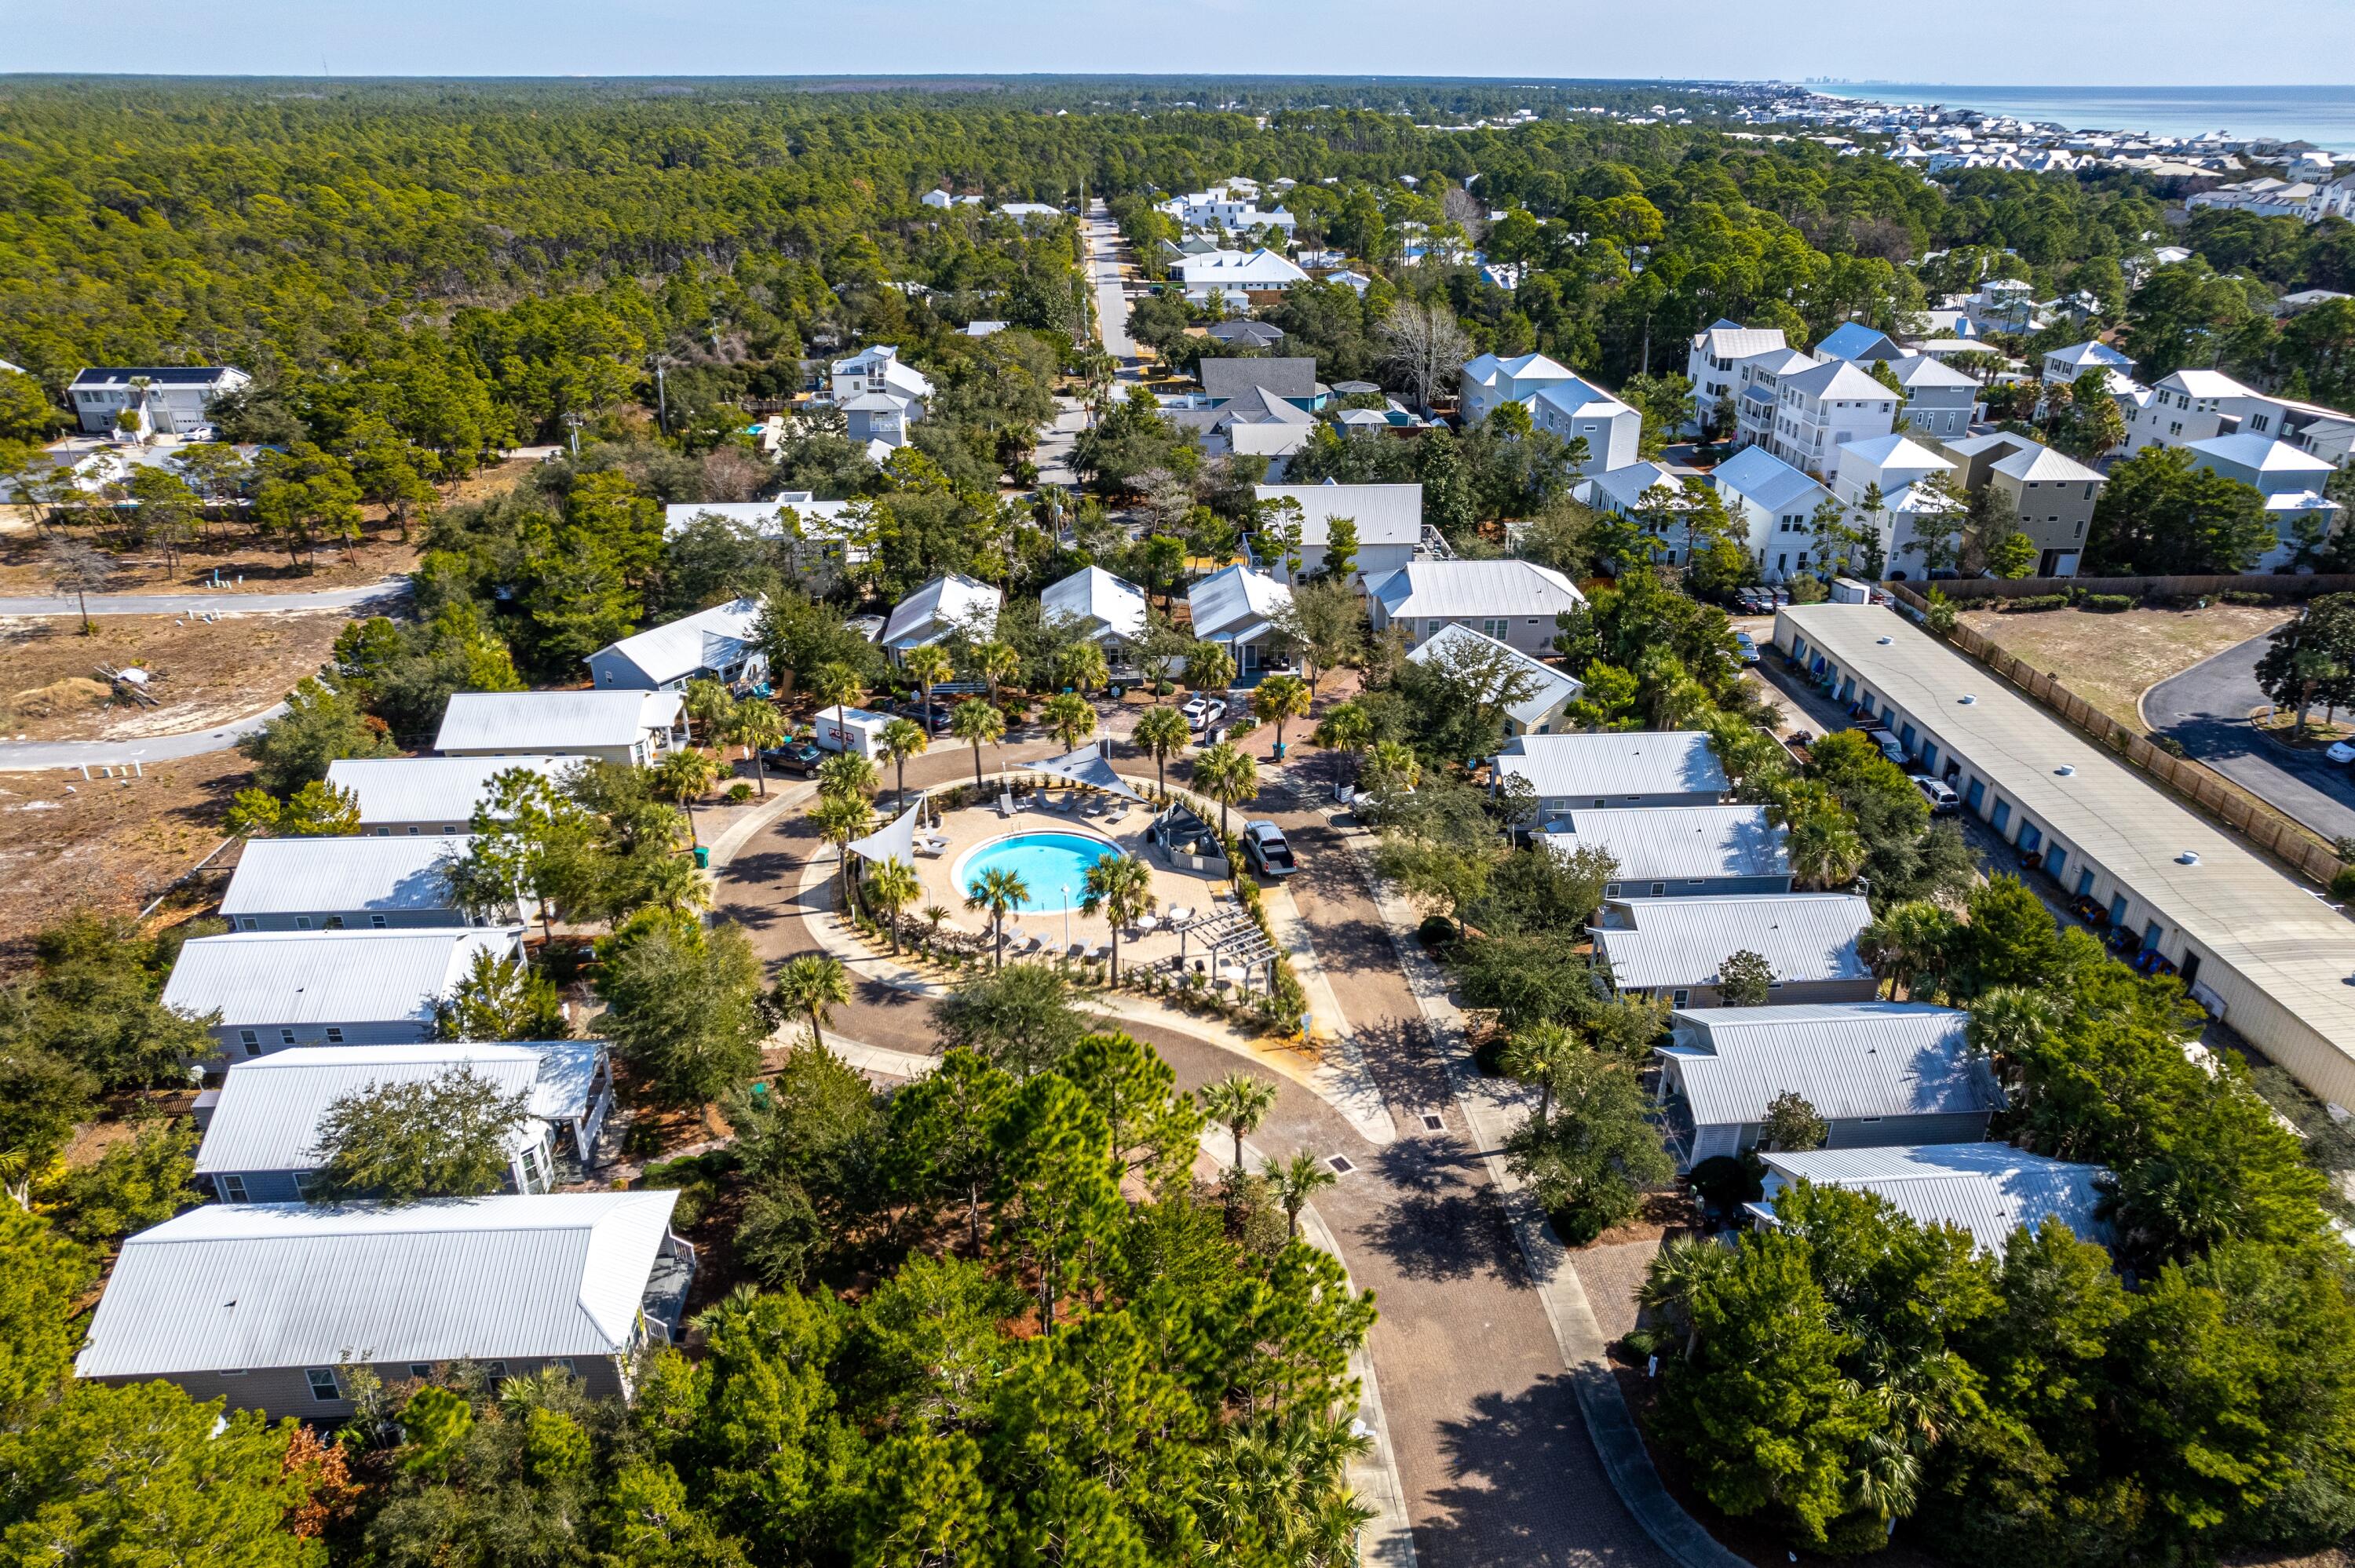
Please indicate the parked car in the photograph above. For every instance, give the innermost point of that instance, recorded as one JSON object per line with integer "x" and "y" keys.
{"x": 1745, "y": 648}
{"x": 2341, "y": 751}
{"x": 1264, "y": 847}
{"x": 1890, "y": 747}
{"x": 1203, "y": 711}
{"x": 1780, "y": 598}
{"x": 1944, "y": 803}
{"x": 794, "y": 756}
{"x": 935, "y": 718}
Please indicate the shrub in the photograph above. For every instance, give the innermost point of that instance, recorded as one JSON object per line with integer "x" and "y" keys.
{"x": 1437, "y": 933}
{"x": 2342, "y": 885}
{"x": 2242, "y": 596}
{"x": 2108, "y": 603}
{"x": 738, "y": 792}
{"x": 696, "y": 1177}
{"x": 1726, "y": 1182}
{"x": 2035, "y": 601}
{"x": 2168, "y": 744}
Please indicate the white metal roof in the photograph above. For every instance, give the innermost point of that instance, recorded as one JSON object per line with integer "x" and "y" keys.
{"x": 268, "y": 1114}
{"x": 327, "y": 977}
{"x": 300, "y": 876}
{"x": 1600, "y": 766}
{"x": 1384, "y": 513}
{"x": 1803, "y": 936}
{"x": 1727, "y": 341}
{"x": 1917, "y": 372}
{"x": 1626, "y": 485}
{"x": 1849, "y": 1060}
{"x": 2260, "y": 453}
{"x": 2039, "y": 464}
{"x": 552, "y": 721}
{"x": 2086, "y": 355}
{"x": 714, "y": 639}
{"x": 1678, "y": 842}
{"x": 2234, "y": 905}
{"x": 939, "y": 607}
{"x": 1476, "y": 590}
{"x": 1836, "y": 379}
{"x": 1111, "y": 606}
{"x": 1484, "y": 370}
{"x": 2204, "y": 384}
{"x": 1897, "y": 453}
{"x": 1576, "y": 395}
{"x": 1553, "y": 688}
{"x": 234, "y": 1285}
{"x": 1261, "y": 269}
{"x": 1988, "y": 1189}
{"x": 1236, "y": 604}
{"x": 816, "y": 519}
{"x": 1766, "y": 479}
{"x": 430, "y": 789}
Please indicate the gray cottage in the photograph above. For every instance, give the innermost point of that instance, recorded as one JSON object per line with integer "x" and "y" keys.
{"x": 346, "y": 884}
{"x": 1676, "y": 947}
{"x": 1681, "y": 852}
{"x": 265, "y": 990}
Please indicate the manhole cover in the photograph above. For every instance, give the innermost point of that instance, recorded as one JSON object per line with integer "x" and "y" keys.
{"x": 1340, "y": 1164}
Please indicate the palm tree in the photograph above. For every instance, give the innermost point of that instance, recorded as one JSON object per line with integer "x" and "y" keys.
{"x": 1070, "y": 715}
{"x": 839, "y": 818}
{"x": 684, "y": 776}
{"x": 845, "y": 775}
{"x": 1162, "y": 734}
{"x": 996, "y": 663}
{"x": 1908, "y": 944}
{"x": 1278, "y": 698}
{"x": 756, "y": 726}
{"x": 1346, "y": 726}
{"x": 836, "y": 686}
{"x": 1391, "y": 765}
{"x": 1081, "y": 667}
{"x": 891, "y": 887}
{"x": 999, "y": 890}
{"x": 813, "y": 985}
{"x": 1120, "y": 888}
{"x": 904, "y": 738}
{"x": 1824, "y": 847}
{"x": 934, "y": 915}
{"x": 1678, "y": 1270}
{"x": 1228, "y": 774}
{"x": 977, "y": 724}
{"x": 1294, "y": 1181}
{"x": 1210, "y": 668}
{"x": 707, "y": 706}
{"x": 924, "y": 666}
{"x": 1536, "y": 1055}
{"x": 1238, "y": 1102}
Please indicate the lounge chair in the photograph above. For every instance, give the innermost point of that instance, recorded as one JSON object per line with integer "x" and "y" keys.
{"x": 1063, "y": 803}
{"x": 931, "y": 843}
{"x": 1076, "y": 951}
{"x": 1005, "y": 804}
{"x": 1095, "y": 806}
{"x": 1101, "y": 951}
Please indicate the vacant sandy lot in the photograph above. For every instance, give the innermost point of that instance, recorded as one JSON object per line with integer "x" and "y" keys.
{"x": 204, "y": 672}
{"x": 2111, "y": 659}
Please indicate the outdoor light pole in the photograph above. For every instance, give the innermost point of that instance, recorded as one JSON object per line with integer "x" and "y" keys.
{"x": 1067, "y": 916}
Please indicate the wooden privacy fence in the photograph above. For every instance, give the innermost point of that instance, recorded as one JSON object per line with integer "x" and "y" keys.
{"x": 2291, "y": 842}
{"x": 2281, "y": 585}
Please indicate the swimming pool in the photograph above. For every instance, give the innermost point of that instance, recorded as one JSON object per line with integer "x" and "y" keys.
{"x": 1047, "y": 864}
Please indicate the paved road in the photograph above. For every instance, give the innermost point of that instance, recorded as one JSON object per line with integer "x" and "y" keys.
{"x": 2207, "y": 708}
{"x": 34, "y": 755}
{"x": 203, "y": 603}
{"x": 1104, "y": 265}
{"x": 1497, "y": 1464}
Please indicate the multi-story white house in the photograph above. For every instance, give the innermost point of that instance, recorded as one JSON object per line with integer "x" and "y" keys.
{"x": 1759, "y": 392}
{"x": 2290, "y": 480}
{"x": 2068, "y": 364}
{"x": 1713, "y": 363}
{"x": 879, "y": 369}
{"x": 166, "y": 400}
{"x": 1489, "y": 383}
{"x": 1237, "y": 274}
{"x": 2185, "y": 406}
{"x": 1577, "y": 411}
{"x": 1776, "y": 505}
{"x": 1388, "y": 518}
{"x": 1819, "y": 410}
{"x": 1897, "y": 466}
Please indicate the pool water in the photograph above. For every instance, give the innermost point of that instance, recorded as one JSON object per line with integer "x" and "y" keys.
{"x": 1047, "y": 864}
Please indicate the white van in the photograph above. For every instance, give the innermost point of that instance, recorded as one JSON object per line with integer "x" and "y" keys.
{"x": 854, "y": 730}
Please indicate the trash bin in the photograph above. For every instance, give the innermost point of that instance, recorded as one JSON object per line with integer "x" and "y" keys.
{"x": 703, "y": 857}
{"x": 1119, "y": 691}
{"x": 1217, "y": 735}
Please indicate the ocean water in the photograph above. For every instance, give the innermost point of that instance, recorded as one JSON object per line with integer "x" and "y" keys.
{"x": 2322, "y": 115}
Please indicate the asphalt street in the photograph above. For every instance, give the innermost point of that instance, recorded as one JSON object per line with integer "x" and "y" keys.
{"x": 208, "y": 603}
{"x": 2207, "y": 708}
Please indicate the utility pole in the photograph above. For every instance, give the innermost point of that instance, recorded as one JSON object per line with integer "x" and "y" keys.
{"x": 573, "y": 423}
{"x": 662, "y": 401}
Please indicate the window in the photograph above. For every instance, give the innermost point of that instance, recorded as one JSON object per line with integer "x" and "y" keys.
{"x": 286, "y": 1037}
{"x": 1610, "y": 890}
{"x": 420, "y": 1370}
{"x": 335, "y": 1036}
{"x": 326, "y": 1387}
{"x": 412, "y": 829}
{"x": 376, "y": 922}
{"x": 302, "y": 922}
{"x": 384, "y": 832}
{"x": 249, "y": 1040}
{"x": 497, "y": 1370}
{"x": 1679, "y": 998}
{"x": 248, "y": 922}
{"x": 231, "y": 1372}
{"x": 232, "y": 1189}
{"x": 530, "y": 1162}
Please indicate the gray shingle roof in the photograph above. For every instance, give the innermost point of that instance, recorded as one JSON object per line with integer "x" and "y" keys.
{"x": 1285, "y": 377}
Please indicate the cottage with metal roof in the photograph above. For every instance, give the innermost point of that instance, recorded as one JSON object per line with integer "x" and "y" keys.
{"x": 1857, "y": 344}
{"x": 626, "y": 727}
{"x": 329, "y": 883}
{"x": 939, "y": 611}
{"x": 262, "y": 1127}
{"x": 1488, "y": 383}
{"x": 264, "y": 990}
{"x": 1677, "y": 947}
{"x": 2254, "y": 948}
{"x": 1714, "y": 361}
{"x": 1097, "y": 605}
{"x": 1644, "y": 768}
{"x": 1389, "y": 519}
{"x": 711, "y": 644}
{"x": 162, "y": 400}
{"x": 1237, "y": 608}
{"x": 262, "y": 1304}
{"x": 1577, "y": 411}
{"x": 1988, "y": 1190}
{"x": 418, "y": 795}
{"x": 1877, "y": 1072}
{"x": 1513, "y": 601}
{"x": 1681, "y": 852}
{"x": 1552, "y": 690}
{"x": 1774, "y": 505}
{"x": 2070, "y": 363}
{"x": 1235, "y": 275}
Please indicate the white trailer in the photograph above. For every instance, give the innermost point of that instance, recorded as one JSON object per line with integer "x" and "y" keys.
{"x": 1848, "y": 590}
{"x": 854, "y": 730}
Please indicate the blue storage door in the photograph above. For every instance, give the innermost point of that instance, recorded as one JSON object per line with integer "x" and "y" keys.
{"x": 2002, "y": 814}
{"x": 2054, "y": 858}
{"x": 1974, "y": 794}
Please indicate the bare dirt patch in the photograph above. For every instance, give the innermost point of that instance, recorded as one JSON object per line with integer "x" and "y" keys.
{"x": 109, "y": 844}
{"x": 2111, "y": 659}
{"x": 204, "y": 672}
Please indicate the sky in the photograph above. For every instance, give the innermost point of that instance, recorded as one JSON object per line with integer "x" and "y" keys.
{"x": 2075, "y": 42}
